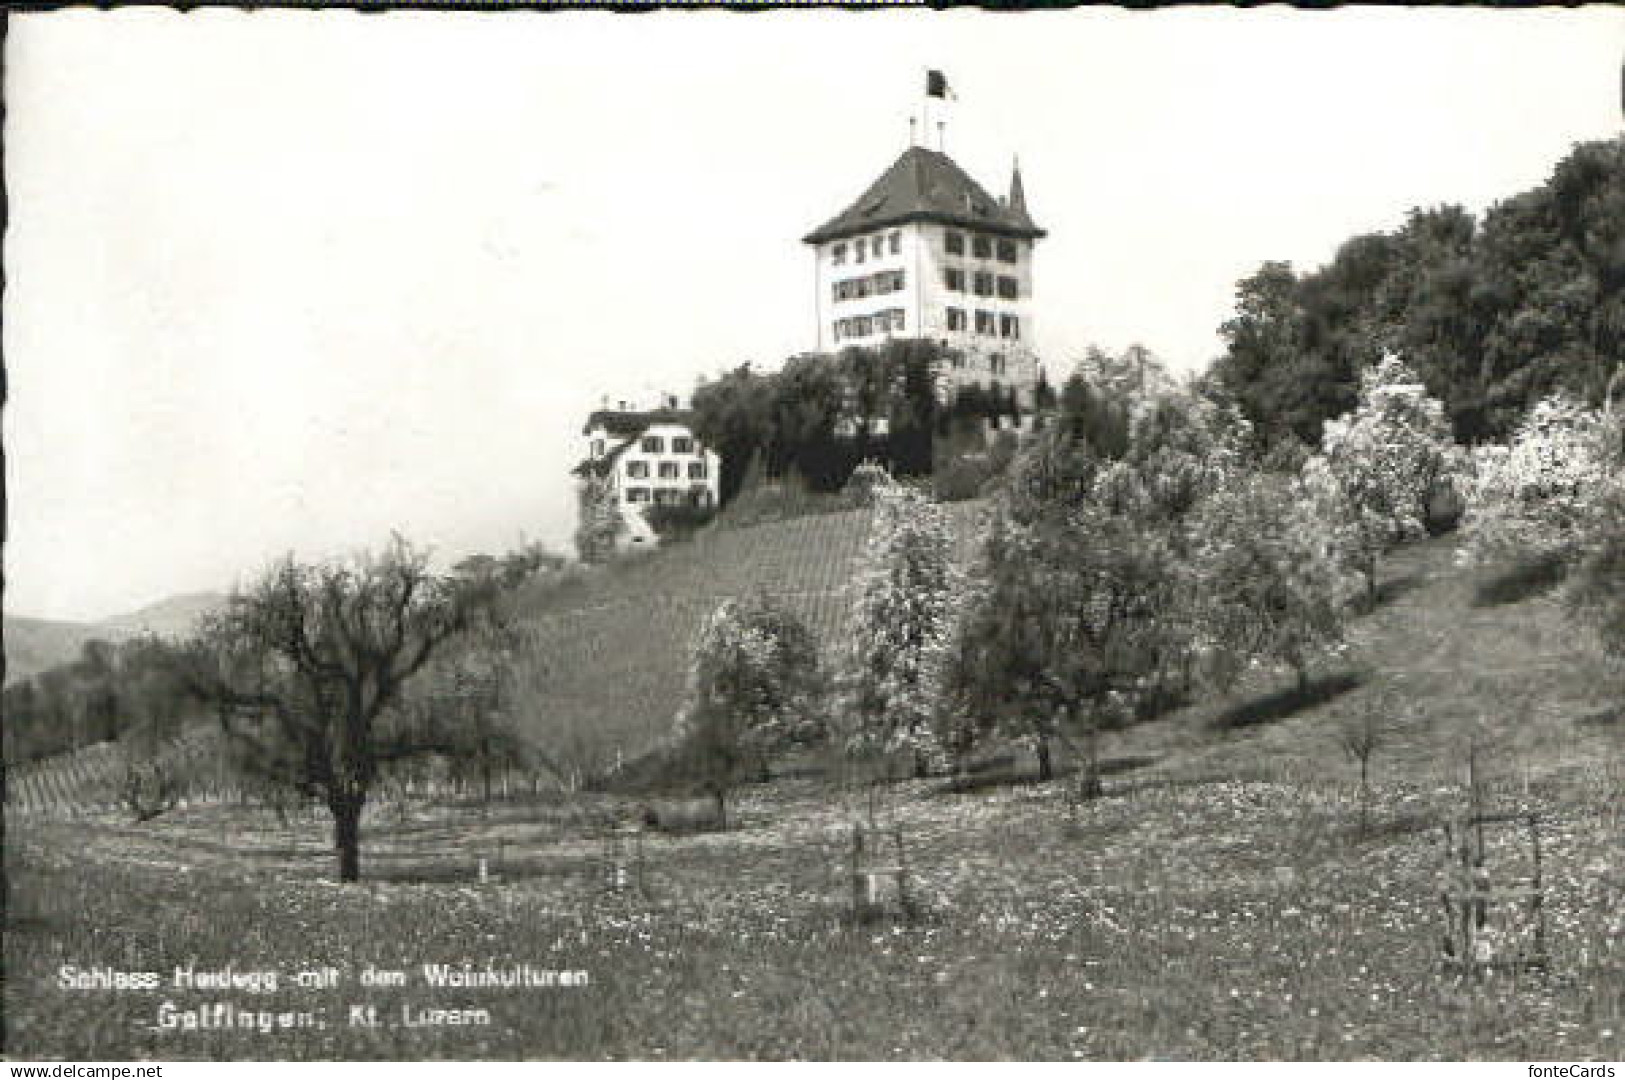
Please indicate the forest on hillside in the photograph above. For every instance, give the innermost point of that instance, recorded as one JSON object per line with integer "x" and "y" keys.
{"x": 1493, "y": 314}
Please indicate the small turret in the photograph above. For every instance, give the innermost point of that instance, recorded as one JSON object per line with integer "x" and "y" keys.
{"x": 1017, "y": 202}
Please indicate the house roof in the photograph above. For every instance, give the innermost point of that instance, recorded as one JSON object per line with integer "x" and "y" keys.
{"x": 630, "y": 423}
{"x": 928, "y": 185}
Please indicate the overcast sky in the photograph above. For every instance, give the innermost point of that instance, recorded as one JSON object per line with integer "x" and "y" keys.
{"x": 289, "y": 280}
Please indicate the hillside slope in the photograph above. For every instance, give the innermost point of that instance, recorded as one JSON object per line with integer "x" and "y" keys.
{"x": 173, "y": 616}
{"x": 33, "y": 645}
{"x": 616, "y": 650}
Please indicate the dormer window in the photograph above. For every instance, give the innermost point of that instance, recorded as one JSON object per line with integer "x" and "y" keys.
{"x": 598, "y": 448}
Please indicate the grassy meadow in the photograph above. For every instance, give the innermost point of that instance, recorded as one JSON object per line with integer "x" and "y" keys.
{"x": 1220, "y": 902}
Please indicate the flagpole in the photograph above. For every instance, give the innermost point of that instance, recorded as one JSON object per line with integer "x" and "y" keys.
{"x": 925, "y": 109}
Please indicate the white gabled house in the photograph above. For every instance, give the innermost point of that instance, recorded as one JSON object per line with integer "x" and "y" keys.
{"x": 650, "y": 457}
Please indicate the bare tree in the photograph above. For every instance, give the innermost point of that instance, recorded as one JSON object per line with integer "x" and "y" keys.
{"x": 305, "y": 665}
{"x": 1361, "y": 736}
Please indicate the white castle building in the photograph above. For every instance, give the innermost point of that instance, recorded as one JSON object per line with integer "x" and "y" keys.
{"x": 926, "y": 252}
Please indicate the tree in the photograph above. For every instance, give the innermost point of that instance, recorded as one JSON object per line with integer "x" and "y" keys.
{"x": 1360, "y": 736}
{"x": 1065, "y": 634}
{"x": 1595, "y": 592}
{"x": 1272, "y": 584}
{"x": 599, "y": 525}
{"x": 752, "y": 692}
{"x": 1378, "y": 465}
{"x": 903, "y": 621}
{"x": 1536, "y": 495}
{"x": 306, "y": 665}
{"x": 96, "y": 692}
{"x": 731, "y": 416}
{"x": 1493, "y": 315}
{"x": 152, "y": 691}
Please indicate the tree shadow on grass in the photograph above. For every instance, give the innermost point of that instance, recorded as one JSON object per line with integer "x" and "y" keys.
{"x": 1289, "y": 702}
{"x": 1394, "y": 588}
{"x": 1008, "y": 773}
{"x": 1393, "y": 829}
{"x": 1524, "y": 580}
{"x": 1611, "y": 716}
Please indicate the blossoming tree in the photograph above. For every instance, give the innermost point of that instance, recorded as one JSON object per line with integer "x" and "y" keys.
{"x": 752, "y": 693}
{"x": 1273, "y": 585}
{"x": 1537, "y": 494}
{"x": 1378, "y": 465}
{"x": 903, "y": 624}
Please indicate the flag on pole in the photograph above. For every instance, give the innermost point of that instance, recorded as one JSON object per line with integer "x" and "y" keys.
{"x": 936, "y": 85}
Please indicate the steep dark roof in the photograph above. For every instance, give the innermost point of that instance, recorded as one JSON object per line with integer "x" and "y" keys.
{"x": 927, "y": 185}
{"x": 630, "y": 423}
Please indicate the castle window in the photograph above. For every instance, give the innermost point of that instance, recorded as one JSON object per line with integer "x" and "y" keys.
{"x": 637, "y": 470}
{"x": 682, "y": 444}
{"x": 984, "y": 283}
{"x": 1007, "y": 251}
{"x": 1008, "y": 287}
{"x": 954, "y": 279}
{"x": 1010, "y": 327}
{"x": 995, "y": 363}
{"x": 954, "y": 242}
{"x": 837, "y": 255}
{"x": 892, "y": 320}
{"x": 696, "y": 470}
{"x": 896, "y": 239}
{"x": 956, "y": 318}
{"x": 984, "y": 322}
{"x": 653, "y": 444}
{"x": 637, "y": 495}
{"x": 670, "y": 471}
{"x": 879, "y": 244}
{"x": 860, "y": 251}
{"x": 981, "y": 247}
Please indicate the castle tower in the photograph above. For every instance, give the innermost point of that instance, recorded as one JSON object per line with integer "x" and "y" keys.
{"x": 926, "y": 252}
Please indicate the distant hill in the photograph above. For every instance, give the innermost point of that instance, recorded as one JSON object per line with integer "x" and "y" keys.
{"x": 33, "y": 645}
{"x": 175, "y": 616}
